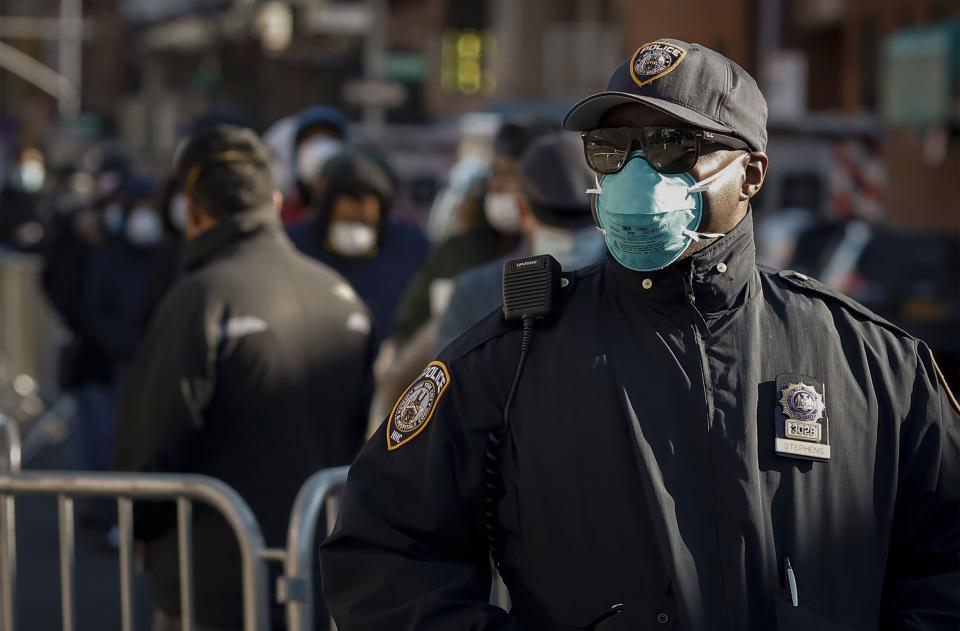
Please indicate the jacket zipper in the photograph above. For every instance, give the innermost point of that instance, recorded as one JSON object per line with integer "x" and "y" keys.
{"x": 708, "y": 403}
{"x": 692, "y": 301}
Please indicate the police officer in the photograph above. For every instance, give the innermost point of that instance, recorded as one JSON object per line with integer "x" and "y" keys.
{"x": 255, "y": 370}
{"x": 694, "y": 442}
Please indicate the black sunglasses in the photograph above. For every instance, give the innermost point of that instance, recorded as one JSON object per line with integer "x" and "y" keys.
{"x": 667, "y": 149}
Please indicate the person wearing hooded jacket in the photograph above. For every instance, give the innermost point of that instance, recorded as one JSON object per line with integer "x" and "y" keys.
{"x": 353, "y": 232}
{"x": 318, "y": 134}
{"x": 686, "y": 440}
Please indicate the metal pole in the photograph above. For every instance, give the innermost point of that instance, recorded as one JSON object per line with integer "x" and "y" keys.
{"x": 300, "y": 542}
{"x": 8, "y": 564}
{"x": 10, "y": 456}
{"x": 67, "y": 561}
{"x": 31, "y": 70}
{"x": 374, "y": 48}
{"x": 125, "y": 526}
{"x": 185, "y": 548}
{"x": 71, "y": 55}
{"x": 9, "y": 463}
{"x": 771, "y": 17}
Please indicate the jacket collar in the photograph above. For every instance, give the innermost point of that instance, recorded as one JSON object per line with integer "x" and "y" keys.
{"x": 718, "y": 278}
{"x": 228, "y": 231}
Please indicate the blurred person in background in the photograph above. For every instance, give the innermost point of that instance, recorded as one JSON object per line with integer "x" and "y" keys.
{"x": 352, "y": 230}
{"x": 555, "y": 219}
{"x": 255, "y": 370}
{"x": 464, "y": 178}
{"x": 493, "y": 229}
{"x": 116, "y": 298}
{"x": 320, "y": 133}
{"x": 280, "y": 138}
{"x": 115, "y": 303}
{"x": 21, "y": 191}
{"x": 171, "y": 208}
{"x": 84, "y": 241}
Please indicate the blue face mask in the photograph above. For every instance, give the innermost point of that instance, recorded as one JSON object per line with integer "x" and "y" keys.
{"x": 648, "y": 218}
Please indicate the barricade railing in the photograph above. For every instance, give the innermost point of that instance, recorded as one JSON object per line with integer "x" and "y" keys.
{"x": 9, "y": 464}
{"x": 294, "y": 588}
{"x": 9, "y": 445}
{"x": 182, "y": 489}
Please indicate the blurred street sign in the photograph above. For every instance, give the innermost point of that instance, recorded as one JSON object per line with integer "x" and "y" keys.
{"x": 156, "y": 10}
{"x": 339, "y": 19}
{"x": 403, "y": 66}
{"x": 189, "y": 33}
{"x": 372, "y": 93}
{"x": 784, "y": 80}
{"x": 920, "y": 74}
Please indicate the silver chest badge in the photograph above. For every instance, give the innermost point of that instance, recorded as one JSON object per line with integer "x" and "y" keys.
{"x": 801, "y": 419}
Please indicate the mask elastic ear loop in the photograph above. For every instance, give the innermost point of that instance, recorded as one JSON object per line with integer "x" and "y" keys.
{"x": 707, "y": 183}
{"x": 698, "y": 236}
{"x": 596, "y": 213}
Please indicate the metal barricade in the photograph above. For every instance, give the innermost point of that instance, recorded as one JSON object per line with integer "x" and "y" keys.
{"x": 296, "y": 588}
{"x": 9, "y": 464}
{"x": 9, "y": 445}
{"x": 184, "y": 490}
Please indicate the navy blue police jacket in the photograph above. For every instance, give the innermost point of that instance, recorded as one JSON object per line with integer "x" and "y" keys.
{"x": 712, "y": 446}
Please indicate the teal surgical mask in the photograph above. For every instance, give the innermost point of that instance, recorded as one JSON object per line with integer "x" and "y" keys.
{"x": 648, "y": 219}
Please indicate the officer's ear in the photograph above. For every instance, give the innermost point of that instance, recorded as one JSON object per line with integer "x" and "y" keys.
{"x": 755, "y": 173}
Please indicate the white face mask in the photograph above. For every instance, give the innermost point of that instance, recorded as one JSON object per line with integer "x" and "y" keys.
{"x": 312, "y": 155}
{"x": 178, "y": 211}
{"x": 144, "y": 227}
{"x": 31, "y": 176}
{"x": 352, "y": 238}
{"x": 572, "y": 248}
{"x": 503, "y": 212}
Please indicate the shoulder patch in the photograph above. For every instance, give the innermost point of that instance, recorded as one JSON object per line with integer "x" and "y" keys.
{"x": 415, "y": 407}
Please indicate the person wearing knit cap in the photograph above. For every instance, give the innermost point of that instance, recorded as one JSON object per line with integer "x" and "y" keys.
{"x": 352, "y": 230}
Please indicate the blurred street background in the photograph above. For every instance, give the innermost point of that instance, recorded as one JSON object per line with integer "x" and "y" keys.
{"x": 863, "y": 190}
